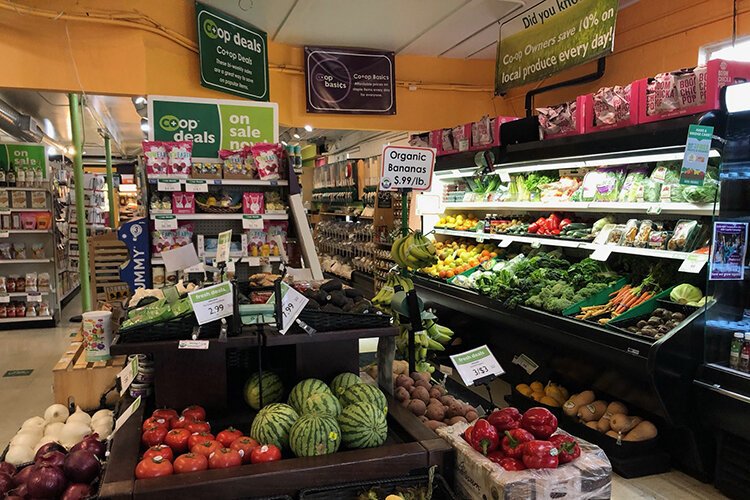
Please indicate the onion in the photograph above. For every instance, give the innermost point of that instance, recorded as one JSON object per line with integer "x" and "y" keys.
{"x": 45, "y": 448}
{"x": 56, "y": 413}
{"x": 6, "y": 483}
{"x": 19, "y": 454}
{"x": 20, "y": 492}
{"x": 53, "y": 458}
{"x": 91, "y": 443}
{"x": 76, "y": 491}
{"x": 34, "y": 423}
{"x": 43, "y": 441}
{"x": 73, "y": 432}
{"x": 101, "y": 414}
{"x": 54, "y": 429}
{"x": 22, "y": 476}
{"x": 24, "y": 438}
{"x": 7, "y": 467}
{"x": 104, "y": 429}
{"x": 79, "y": 416}
{"x": 81, "y": 466}
{"x": 46, "y": 481}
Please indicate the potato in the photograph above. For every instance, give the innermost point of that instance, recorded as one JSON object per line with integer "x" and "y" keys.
{"x": 592, "y": 424}
{"x": 455, "y": 409}
{"x": 536, "y": 386}
{"x": 401, "y": 367}
{"x": 593, "y": 411}
{"x": 422, "y": 418}
{"x": 422, "y": 383}
{"x": 404, "y": 381}
{"x": 641, "y": 432}
{"x": 570, "y": 408}
{"x": 421, "y": 393}
{"x": 622, "y": 423}
{"x": 549, "y": 401}
{"x": 467, "y": 408}
{"x": 470, "y": 416}
{"x": 401, "y": 394}
{"x": 524, "y": 389}
{"x": 405, "y": 403}
{"x": 435, "y": 411}
{"x": 417, "y": 376}
{"x": 434, "y": 424}
{"x": 417, "y": 407}
{"x": 456, "y": 419}
{"x": 447, "y": 399}
{"x": 434, "y": 393}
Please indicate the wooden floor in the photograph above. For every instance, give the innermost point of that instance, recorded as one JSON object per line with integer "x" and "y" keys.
{"x": 670, "y": 486}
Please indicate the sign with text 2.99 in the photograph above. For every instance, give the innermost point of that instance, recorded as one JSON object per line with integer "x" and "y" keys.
{"x": 212, "y": 303}
{"x": 406, "y": 167}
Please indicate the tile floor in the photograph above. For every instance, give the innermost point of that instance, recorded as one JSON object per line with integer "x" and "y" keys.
{"x": 40, "y": 349}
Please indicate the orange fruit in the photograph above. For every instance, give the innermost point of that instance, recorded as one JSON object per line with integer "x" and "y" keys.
{"x": 493, "y": 255}
{"x": 442, "y": 274}
{"x": 448, "y": 274}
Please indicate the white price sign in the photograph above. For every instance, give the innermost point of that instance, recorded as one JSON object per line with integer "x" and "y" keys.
{"x": 199, "y": 345}
{"x": 504, "y": 177}
{"x": 475, "y": 364}
{"x": 252, "y": 261}
{"x": 165, "y": 222}
{"x": 252, "y": 222}
{"x": 504, "y": 243}
{"x": 601, "y": 254}
{"x": 222, "y": 248}
{"x": 127, "y": 375}
{"x": 168, "y": 185}
{"x": 693, "y": 263}
{"x": 33, "y": 297}
{"x": 125, "y": 416}
{"x": 4, "y": 298}
{"x": 406, "y": 167}
{"x": 292, "y": 303}
{"x": 196, "y": 186}
{"x": 212, "y": 303}
{"x": 4, "y": 234}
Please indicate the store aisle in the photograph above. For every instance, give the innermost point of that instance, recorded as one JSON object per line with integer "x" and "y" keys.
{"x": 32, "y": 349}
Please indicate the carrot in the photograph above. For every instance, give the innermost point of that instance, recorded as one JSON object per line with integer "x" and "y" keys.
{"x": 627, "y": 303}
{"x": 643, "y": 299}
{"x": 619, "y": 292}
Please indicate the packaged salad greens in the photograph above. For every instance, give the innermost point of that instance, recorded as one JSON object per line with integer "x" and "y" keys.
{"x": 608, "y": 184}
{"x": 632, "y": 184}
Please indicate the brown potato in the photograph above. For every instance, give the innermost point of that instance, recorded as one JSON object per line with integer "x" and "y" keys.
{"x": 455, "y": 409}
{"x": 435, "y": 393}
{"x": 435, "y": 411}
{"x": 417, "y": 407}
{"x": 401, "y": 394}
{"x": 421, "y": 393}
{"x": 456, "y": 420}
{"x": 447, "y": 399}
{"x": 404, "y": 381}
{"x": 470, "y": 416}
{"x": 422, "y": 383}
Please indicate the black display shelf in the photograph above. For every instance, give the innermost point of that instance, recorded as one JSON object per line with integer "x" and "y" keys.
{"x": 167, "y": 346}
{"x": 273, "y": 338}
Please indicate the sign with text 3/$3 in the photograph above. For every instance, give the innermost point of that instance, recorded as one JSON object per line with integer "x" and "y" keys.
{"x": 212, "y": 303}
{"x": 406, "y": 167}
{"x": 551, "y": 36}
{"x": 476, "y": 364}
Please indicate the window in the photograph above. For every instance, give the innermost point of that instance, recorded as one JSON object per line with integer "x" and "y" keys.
{"x": 724, "y": 50}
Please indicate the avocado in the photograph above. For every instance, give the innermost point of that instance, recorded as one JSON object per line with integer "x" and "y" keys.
{"x": 332, "y": 285}
{"x": 352, "y": 293}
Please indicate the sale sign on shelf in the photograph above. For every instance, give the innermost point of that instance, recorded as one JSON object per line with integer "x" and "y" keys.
{"x": 406, "y": 167}
{"x": 476, "y": 364}
{"x": 212, "y": 303}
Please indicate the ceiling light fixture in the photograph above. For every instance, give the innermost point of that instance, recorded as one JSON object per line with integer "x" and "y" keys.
{"x": 308, "y": 128}
{"x": 295, "y": 134}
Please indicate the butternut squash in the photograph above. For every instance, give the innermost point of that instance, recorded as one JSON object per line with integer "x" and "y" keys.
{"x": 592, "y": 411}
{"x": 553, "y": 391}
{"x": 603, "y": 424}
{"x": 524, "y": 389}
{"x": 592, "y": 424}
{"x": 614, "y": 408}
{"x": 570, "y": 408}
{"x": 549, "y": 401}
{"x": 622, "y": 423}
{"x": 537, "y": 386}
{"x": 641, "y": 432}
{"x": 613, "y": 434}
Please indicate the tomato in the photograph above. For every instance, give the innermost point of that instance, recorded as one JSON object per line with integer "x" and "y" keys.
{"x": 160, "y": 450}
{"x": 177, "y": 439}
{"x": 245, "y": 446}
{"x": 206, "y": 448}
{"x": 165, "y": 413}
{"x": 152, "y": 421}
{"x": 224, "y": 458}
{"x": 199, "y": 437}
{"x": 190, "y": 462}
{"x": 195, "y": 412}
{"x": 179, "y": 423}
{"x": 265, "y": 453}
{"x": 198, "y": 426}
{"x": 154, "y": 435}
{"x": 228, "y": 436}
{"x": 153, "y": 467}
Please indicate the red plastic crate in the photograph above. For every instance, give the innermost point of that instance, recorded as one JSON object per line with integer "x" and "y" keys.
{"x": 719, "y": 73}
{"x": 590, "y": 124}
{"x": 437, "y": 137}
{"x": 580, "y": 121}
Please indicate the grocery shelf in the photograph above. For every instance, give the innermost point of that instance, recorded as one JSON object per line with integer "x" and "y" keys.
{"x": 223, "y": 216}
{"x": 25, "y": 231}
{"x": 273, "y": 338}
{"x": 25, "y": 188}
{"x": 24, "y": 294}
{"x": 6, "y": 210}
{"x": 156, "y": 346}
{"x": 226, "y": 182}
{"x": 596, "y": 207}
{"x": 158, "y": 261}
{"x": 26, "y": 318}
{"x": 25, "y": 261}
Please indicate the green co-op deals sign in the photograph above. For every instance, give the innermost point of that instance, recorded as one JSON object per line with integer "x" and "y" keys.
{"x": 233, "y": 54}
{"x": 212, "y": 124}
{"x": 24, "y": 156}
{"x": 551, "y": 36}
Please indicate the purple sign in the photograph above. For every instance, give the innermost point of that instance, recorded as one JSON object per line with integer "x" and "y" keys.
{"x": 356, "y": 81}
{"x": 728, "y": 251}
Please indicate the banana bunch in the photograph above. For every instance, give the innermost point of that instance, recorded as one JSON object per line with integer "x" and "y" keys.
{"x": 434, "y": 337}
{"x": 382, "y": 300}
{"x": 413, "y": 251}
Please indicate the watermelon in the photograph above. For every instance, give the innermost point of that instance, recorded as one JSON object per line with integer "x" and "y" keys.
{"x": 304, "y": 390}
{"x": 364, "y": 393}
{"x": 314, "y": 434}
{"x": 324, "y": 403}
{"x": 363, "y": 426}
{"x": 273, "y": 389}
{"x": 343, "y": 380}
{"x": 273, "y": 423}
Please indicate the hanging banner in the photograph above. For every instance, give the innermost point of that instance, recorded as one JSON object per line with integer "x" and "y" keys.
{"x": 136, "y": 272}
{"x": 728, "y": 251}
{"x": 233, "y": 54}
{"x": 212, "y": 124}
{"x": 551, "y": 36}
{"x": 21, "y": 156}
{"x": 354, "y": 81}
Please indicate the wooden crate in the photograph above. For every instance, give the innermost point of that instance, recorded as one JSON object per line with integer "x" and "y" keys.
{"x": 106, "y": 255}
{"x": 83, "y": 381}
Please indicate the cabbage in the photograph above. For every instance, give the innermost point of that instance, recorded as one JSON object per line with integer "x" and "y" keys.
{"x": 684, "y": 293}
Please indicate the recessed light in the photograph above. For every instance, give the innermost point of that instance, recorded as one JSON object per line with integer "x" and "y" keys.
{"x": 308, "y": 128}
{"x": 296, "y": 135}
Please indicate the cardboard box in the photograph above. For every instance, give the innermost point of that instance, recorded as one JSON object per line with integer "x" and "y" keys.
{"x": 633, "y": 118}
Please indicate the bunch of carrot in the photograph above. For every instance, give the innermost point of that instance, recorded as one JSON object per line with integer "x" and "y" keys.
{"x": 620, "y": 301}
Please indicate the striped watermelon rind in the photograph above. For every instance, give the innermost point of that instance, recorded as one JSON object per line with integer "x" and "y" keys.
{"x": 363, "y": 425}
{"x": 364, "y": 393}
{"x": 304, "y": 390}
{"x": 273, "y": 389}
{"x": 273, "y": 424}
{"x": 342, "y": 381}
{"x": 314, "y": 434}
{"x": 323, "y": 403}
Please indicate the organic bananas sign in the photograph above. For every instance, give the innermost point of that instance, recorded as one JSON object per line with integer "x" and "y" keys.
{"x": 406, "y": 167}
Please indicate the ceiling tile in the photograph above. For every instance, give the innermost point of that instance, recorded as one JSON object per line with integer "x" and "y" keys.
{"x": 264, "y": 14}
{"x": 476, "y": 43}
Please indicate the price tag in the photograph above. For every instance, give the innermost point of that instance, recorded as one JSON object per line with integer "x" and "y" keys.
{"x": 222, "y": 248}
{"x": 252, "y": 261}
{"x": 504, "y": 243}
{"x": 4, "y": 212}
{"x": 196, "y": 186}
{"x": 446, "y": 369}
{"x": 4, "y": 234}
{"x": 601, "y": 254}
{"x": 654, "y": 209}
{"x": 480, "y": 237}
{"x": 504, "y": 176}
{"x": 4, "y": 298}
{"x": 165, "y": 222}
{"x": 252, "y": 222}
{"x": 168, "y": 185}
{"x": 212, "y": 303}
{"x": 198, "y": 345}
{"x": 127, "y": 375}
{"x": 526, "y": 363}
{"x": 292, "y": 303}
{"x": 33, "y": 297}
{"x": 693, "y": 263}
{"x": 475, "y": 364}
{"x": 535, "y": 244}
{"x": 125, "y": 416}
{"x": 198, "y": 268}
{"x": 274, "y": 182}
{"x": 230, "y": 267}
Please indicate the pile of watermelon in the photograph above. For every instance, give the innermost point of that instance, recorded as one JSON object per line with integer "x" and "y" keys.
{"x": 317, "y": 418}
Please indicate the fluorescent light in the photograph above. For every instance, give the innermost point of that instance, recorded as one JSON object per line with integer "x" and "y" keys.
{"x": 296, "y": 135}
{"x": 737, "y": 98}
{"x": 284, "y": 143}
{"x": 52, "y": 150}
{"x": 308, "y": 128}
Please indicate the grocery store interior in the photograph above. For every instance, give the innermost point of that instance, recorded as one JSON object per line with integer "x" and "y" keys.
{"x": 471, "y": 249}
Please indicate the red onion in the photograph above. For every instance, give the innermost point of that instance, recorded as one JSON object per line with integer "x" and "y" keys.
{"x": 54, "y": 458}
{"x": 6, "y": 482}
{"x": 19, "y": 493}
{"x": 76, "y": 491}
{"x": 22, "y": 476}
{"x": 7, "y": 467}
{"x": 91, "y": 443}
{"x": 46, "y": 481}
{"x": 81, "y": 466}
{"x": 53, "y": 446}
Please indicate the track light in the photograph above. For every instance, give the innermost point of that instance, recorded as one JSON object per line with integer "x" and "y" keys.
{"x": 308, "y": 128}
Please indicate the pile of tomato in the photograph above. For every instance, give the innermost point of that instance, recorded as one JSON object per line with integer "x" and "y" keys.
{"x": 181, "y": 443}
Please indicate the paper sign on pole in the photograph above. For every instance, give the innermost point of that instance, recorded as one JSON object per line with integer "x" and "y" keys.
{"x": 212, "y": 303}
{"x": 292, "y": 303}
{"x": 222, "y": 248}
{"x": 695, "y": 161}
{"x": 406, "y": 167}
{"x": 180, "y": 258}
{"x": 127, "y": 375}
{"x": 476, "y": 364}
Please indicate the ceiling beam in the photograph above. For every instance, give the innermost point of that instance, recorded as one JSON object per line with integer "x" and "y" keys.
{"x": 283, "y": 21}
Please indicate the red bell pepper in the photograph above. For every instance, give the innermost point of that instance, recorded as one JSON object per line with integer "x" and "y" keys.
{"x": 567, "y": 447}
{"x": 540, "y": 455}
{"x": 533, "y": 228}
{"x": 564, "y": 223}
{"x": 553, "y": 221}
{"x": 541, "y": 221}
{"x": 514, "y": 441}
{"x": 496, "y": 456}
{"x": 484, "y": 437}
{"x": 512, "y": 464}
{"x": 505, "y": 419}
{"x": 555, "y": 232}
{"x": 540, "y": 422}
{"x": 467, "y": 434}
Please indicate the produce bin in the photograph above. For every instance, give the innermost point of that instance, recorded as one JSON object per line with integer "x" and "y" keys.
{"x": 633, "y": 119}
{"x": 349, "y": 491}
{"x": 602, "y": 297}
{"x": 523, "y": 403}
{"x": 644, "y": 308}
{"x": 619, "y": 324}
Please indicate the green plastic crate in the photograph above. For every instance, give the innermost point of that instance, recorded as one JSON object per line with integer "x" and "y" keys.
{"x": 599, "y": 298}
{"x": 641, "y": 309}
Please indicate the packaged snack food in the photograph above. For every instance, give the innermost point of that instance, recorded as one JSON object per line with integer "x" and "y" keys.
{"x": 19, "y": 251}
{"x": 681, "y": 237}
{"x": 481, "y": 132}
{"x": 612, "y": 105}
{"x": 234, "y": 164}
{"x": 183, "y": 203}
{"x": 460, "y": 138}
{"x": 6, "y": 221}
{"x": 179, "y": 158}
{"x": 158, "y": 276}
{"x": 446, "y": 140}
{"x": 31, "y": 279}
{"x": 168, "y": 240}
{"x": 256, "y": 241}
{"x": 253, "y": 203}
{"x": 37, "y": 250}
{"x": 38, "y": 199}
{"x": 557, "y": 119}
{"x": 206, "y": 170}
{"x": 4, "y": 199}
{"x": 276, "y": 230}
{"x": 30, "y": 310}
{"x": 28, "y": 220}
{"x": 3, "y": 285}
{"x": 6, "y": 251}
{"x": 274, "y": 203}
{"x": 11, "y": 283}
{"x": 157, "y": 160}
{"x": 630, "y": 234}
{"x": 20, "y": 284}
{"x": 44, "y": 309}
{"x": 267, "y": 160}
{"x": 15, "y": 220}
{"x": 43, "y": 220}
{"x": 3, "y": 310}
{"x": 644, "y": 232}
{"x": 44, "y": 282}
{"x": 170, "y": 278}
{"x": 19, "y": 199}
{"x": 20, "y": 309}
{"x": 661, "y": 94}
{"x": 11, "y": 310}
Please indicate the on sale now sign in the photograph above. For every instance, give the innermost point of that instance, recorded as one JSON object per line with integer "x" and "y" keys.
{"x": 406, "y": 167}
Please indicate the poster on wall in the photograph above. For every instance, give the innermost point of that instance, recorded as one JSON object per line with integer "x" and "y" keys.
{"x": 212, "y": 124}
{"x": 551, "y": 36}
{"x": 22, "y": 156}
{"x": 233, "y": 54}
{"x": 354, "y": 81}
{"x": 728, "y": 251}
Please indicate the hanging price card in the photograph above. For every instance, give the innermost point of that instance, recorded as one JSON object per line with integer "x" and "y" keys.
{"x": 504, "y": 177}
{"x": 125, "y": 416}
{"x": 196, "y": 186}
{"x": 252, "y": 261}
{"x": 212, "y": 303}
{"x": 4, "y": 234}
{"x": 601, "y": 254}
{"x": 168, "y": 185}
{"x": 693, "y": 263}
{"x": 127, "y": 375}
{"x": 252, "y": 222}
{"x": 505, "y": 243}
{"x": 222, "y": 248}
{"x": 292, "y": 303}
{"x": 200, "y": 345}
{"x": 475, "y": 364}
{"x": 165, "y": 222}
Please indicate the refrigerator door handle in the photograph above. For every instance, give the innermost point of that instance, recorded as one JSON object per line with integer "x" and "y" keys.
{"x": 717, "y": 388}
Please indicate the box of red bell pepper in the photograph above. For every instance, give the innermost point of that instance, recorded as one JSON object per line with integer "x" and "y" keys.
{"x": 503, "y": 472}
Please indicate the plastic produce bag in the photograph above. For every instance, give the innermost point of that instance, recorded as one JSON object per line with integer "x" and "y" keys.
{"x": 609, "y": 183}
{"x": 632, "y": 184}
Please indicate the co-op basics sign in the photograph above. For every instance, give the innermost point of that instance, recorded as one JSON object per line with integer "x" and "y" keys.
{"x": 551, "y": 36}
{"x": 212, "y": 124}
{"x": 406, "y": 167}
